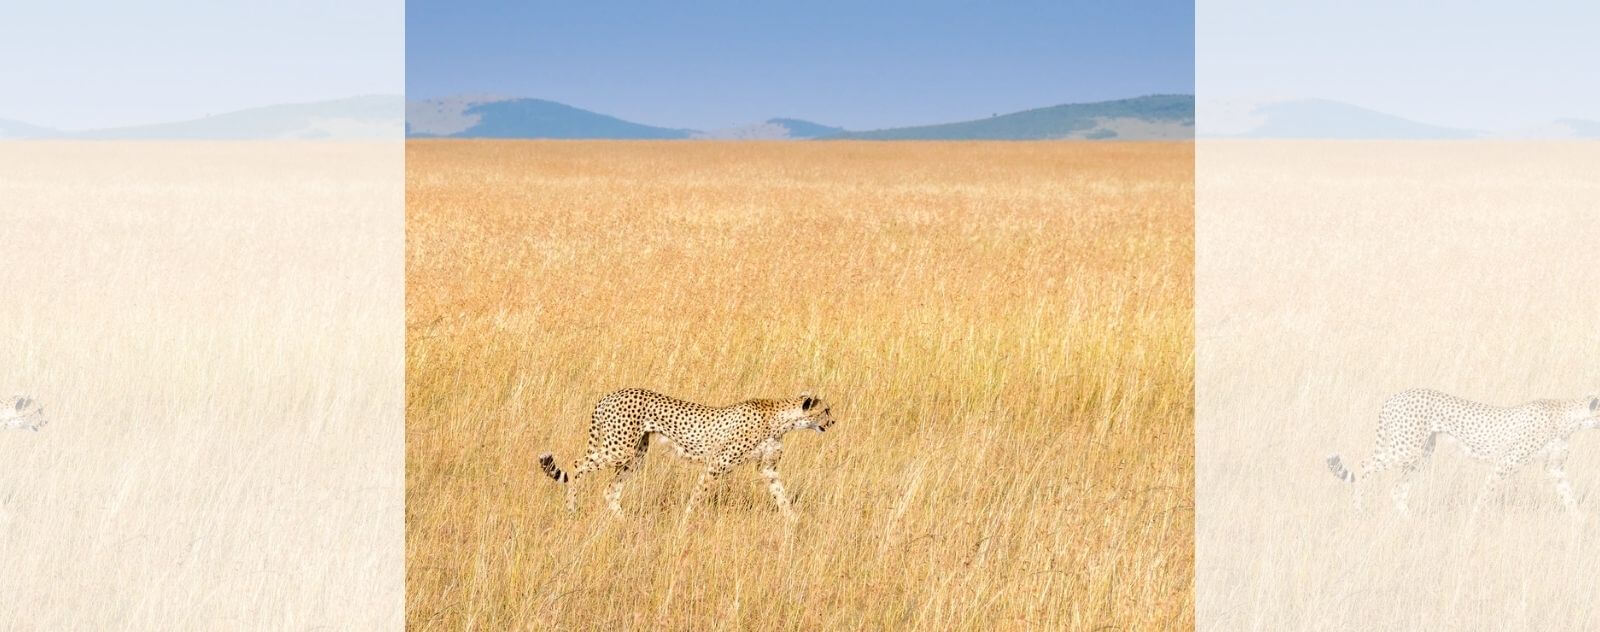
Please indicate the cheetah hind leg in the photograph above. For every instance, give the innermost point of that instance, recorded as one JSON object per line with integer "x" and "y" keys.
{"x": 1491, "y": 486}
{"x": 624, "y": 472}
{"x": 1369, "y": 468}
{"x": 590, "y": 463}
{"x": 707, "y": 478}
{"x": 1408, "y": 471}
{"x": 1384, "y": 456}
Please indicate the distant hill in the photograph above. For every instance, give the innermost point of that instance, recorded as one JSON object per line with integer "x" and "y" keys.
{"x": 772, "y": 129}
{"x": 1152, "y": 117}
{"x": 1565, "y": 128}
{"x": 18, "y": 129}
{"x": 355, "y": 117}
{"x": 1321, "y": 118}
{"x": 468, "y": 117}
{"x": 805, "y": 129}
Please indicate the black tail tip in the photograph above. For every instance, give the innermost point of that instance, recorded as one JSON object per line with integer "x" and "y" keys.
{"x": 546, "y": 458}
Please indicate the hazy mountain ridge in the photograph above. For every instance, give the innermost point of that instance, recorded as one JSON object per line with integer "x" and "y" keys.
{"x": 1329, "y": 119}
{"x": 1323, "y": 118}
{"x": 1155, "y": 116}
{"x": 10, "y": 129}
{"x": 375, "y": 116}
{"x": 772, "y": 129}
{"x": 1151, "y": 117}
{"x": 516, "y": 117}
{"x": 1572, "y": 128}
{"x": 806, "y": 129}
{"x": 538, "y": 118}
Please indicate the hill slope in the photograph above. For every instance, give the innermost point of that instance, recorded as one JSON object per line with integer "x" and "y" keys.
{"x": 1580, "y": 128}
{"x": 355, "y": 117}
{"x": 1149, "y": 117}
{"x": 19, "y": 129}
{"x": 771, "y": 129}
{"x": 806, "y": 129}
{"x": 489, "y": 117}
{"x": 1321, "y": 118}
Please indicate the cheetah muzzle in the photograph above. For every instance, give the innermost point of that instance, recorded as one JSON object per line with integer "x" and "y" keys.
{"x": 21, "y": 412}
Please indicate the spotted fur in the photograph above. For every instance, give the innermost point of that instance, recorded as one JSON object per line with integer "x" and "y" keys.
{"x": 20, "y": 412}
{"x": 1507, "y": 436}
{"x": 720, "y": 438}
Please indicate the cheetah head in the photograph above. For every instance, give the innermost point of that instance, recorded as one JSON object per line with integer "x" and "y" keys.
{"x": 21, "y": 413}
{"x": 808, "y": 412}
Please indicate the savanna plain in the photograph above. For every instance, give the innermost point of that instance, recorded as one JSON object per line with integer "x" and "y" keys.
{"x": 216, "y": 343}
{"x": 1332, "y": 275}
{"x": 1003, "y": 331}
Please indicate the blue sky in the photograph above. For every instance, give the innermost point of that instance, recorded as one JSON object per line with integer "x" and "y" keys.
{"x": 79, "y": 64}
{"x": 1479, "y": 65}
{"x": 858, "y": 65}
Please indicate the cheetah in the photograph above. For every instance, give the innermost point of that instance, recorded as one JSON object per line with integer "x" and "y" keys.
{"x": 21, "y": 413}
{"x": 720, "y": 438}
{"x": 1508, "y": 437}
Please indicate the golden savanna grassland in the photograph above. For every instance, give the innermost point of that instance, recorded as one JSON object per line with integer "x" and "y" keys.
{"x": 1003, "y": 330}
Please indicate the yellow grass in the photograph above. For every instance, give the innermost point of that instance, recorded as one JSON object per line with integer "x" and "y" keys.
{"x": 1332, "y": 275}
{"x": 215, "y": 335}
{"x": 1002, "y": 329}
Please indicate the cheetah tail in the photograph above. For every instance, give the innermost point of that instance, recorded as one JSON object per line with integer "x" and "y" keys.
{"x": 1340, "y": 470}
{"x": 547, "y": 462}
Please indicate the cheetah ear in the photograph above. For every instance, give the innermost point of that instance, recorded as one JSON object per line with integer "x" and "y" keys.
{"x": 807, "y": 401}
{"x": 22, "y": 404}
{"x": 1594, "y": 404}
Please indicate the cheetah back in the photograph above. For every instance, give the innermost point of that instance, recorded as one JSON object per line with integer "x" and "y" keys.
{"x": 1485, "y": 431}
{"x": 697, "y": 431}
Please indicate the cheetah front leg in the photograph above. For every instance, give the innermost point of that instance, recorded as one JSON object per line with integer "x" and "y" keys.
{"x": 1555, "y": 466}
{"x": 769, "y": 471}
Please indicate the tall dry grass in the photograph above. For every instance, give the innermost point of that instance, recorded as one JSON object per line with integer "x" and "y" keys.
{"x": 1003, "y": 329}
{"x": 215, "y": 332}
{"x": 1330, "y": 276}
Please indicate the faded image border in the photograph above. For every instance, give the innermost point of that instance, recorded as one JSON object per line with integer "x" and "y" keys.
{"x": 201, "y": 362}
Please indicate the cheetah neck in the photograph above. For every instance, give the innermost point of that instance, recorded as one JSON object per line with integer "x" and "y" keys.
{"x": 781, "y": 426}
{"x": 1581, "y": 417}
